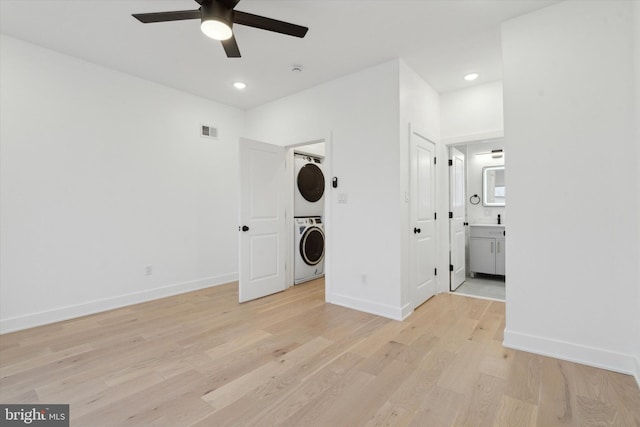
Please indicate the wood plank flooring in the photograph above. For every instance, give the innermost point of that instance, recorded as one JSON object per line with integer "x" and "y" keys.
{"x": 202, "y": 359}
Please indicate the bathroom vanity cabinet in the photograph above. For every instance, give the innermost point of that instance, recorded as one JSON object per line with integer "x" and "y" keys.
{"x": 486, "y": 249}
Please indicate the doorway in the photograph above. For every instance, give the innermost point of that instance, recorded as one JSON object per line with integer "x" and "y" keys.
{"x": 267, "y": 255}
{"x": 477, "y": 220}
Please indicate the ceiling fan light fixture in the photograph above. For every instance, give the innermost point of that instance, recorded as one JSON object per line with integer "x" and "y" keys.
{"x": 216, "y": 29}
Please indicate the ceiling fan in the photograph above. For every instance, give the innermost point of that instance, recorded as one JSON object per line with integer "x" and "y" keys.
{"x": 217, "y": 18}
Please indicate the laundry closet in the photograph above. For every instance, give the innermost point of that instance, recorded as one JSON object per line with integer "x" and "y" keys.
{"x": 308, "y": 212}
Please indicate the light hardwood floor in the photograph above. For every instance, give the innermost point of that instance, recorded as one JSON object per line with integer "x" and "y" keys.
{"x": 290, "y": 359}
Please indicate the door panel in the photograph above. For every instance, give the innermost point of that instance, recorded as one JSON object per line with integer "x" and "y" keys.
{"x": 423, "y": 260}
{"x": 456, "y": 224}
{"x": 262, "y": 211}
{"x": 483, "y": 258}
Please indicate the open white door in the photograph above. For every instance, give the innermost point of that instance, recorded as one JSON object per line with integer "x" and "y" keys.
{"x": 262, "y": 216}
{"x": 423, "y": 211}
{"x": 456, "y": 222}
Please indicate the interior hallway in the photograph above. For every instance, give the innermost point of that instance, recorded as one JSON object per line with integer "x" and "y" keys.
{"x": 290, "y": 359}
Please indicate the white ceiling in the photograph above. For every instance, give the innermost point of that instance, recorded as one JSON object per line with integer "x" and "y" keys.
{"x": 440, "y": 39}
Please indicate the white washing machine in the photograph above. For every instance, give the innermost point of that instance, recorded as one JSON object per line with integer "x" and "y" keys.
{"x": 309, "y": 183}
{"x": 309, "y": 248}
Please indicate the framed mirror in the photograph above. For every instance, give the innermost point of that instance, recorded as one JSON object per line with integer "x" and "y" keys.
{"x": 493, "y": 189}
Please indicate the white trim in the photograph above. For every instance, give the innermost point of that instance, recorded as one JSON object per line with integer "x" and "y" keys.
{"x": 384, "y": 310}
{"x": 18, "y": 323}
{"x": 472, "y": 137}
{"x": 407, "y": 309}
{"x": 572, "y": 352}
{"x": 637, "y": 372}
{"x": 462, "y": 294}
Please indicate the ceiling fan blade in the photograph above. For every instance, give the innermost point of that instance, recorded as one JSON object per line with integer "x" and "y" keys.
{"x": 231, "y": 47}
{"x": 256, "y": 21}
{"x": 178, "y": 15}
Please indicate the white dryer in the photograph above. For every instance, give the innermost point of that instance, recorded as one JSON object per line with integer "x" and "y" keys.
{"x": 309, "y": 248}
{"x": 309, "y": 183}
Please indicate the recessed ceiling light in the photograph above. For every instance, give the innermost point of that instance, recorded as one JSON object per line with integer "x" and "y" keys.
{"x": 240, "y": 85}
{"x": 471, "y": 76}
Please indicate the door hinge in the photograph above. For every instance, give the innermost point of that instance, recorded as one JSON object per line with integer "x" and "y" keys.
{"x": 435, "y": 271}
{"x": 465, "y": 224}
{"x": 450, "y": 162}
{"x": 434, "y": 160}
{"x": 450, "y": 214}
{"x": 435, "y": 215}
{"x": 450, "y": 267}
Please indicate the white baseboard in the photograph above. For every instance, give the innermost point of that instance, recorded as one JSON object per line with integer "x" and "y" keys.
{"x": 407, "y": 310}
{"x": 591, "y": 356}
{"x": 637, "y": 373}
{"x": 31, "y": 320}
{"x": 384, "y": 310}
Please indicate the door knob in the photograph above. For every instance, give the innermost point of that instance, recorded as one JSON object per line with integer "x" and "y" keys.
{"x": 245, "y": 228}
{"x": 416, "y": 230}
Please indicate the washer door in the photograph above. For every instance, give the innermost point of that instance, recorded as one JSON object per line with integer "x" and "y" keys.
{"x": 312, "y": 246}
{"x": 311, "y": 182}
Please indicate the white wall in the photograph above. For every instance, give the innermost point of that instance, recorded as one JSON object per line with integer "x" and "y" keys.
{"x": 479, "y": 214}
{"x": 360, "y": 112}
{"x": 472, "y": 114}
{"x": 573, "y": 194}
{"x": 102, "y": 174}
{"x": 317, "y": 149}
{"x": 420, "y": 111}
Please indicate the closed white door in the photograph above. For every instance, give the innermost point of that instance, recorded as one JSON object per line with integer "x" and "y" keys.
{"x": 262, "y": 220}
{"x": 423, "y": 211}
{"x": 456, "y": 222}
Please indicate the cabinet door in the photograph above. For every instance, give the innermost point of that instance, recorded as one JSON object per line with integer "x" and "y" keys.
{"x": 482, "y": 253}
{"x": 500, "y": 256}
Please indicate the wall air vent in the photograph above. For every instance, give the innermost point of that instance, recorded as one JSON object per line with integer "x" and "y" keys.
{"x": 209, "y": 132}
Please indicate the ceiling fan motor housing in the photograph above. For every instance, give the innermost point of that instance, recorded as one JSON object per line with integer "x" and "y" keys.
{"x": 216, "y": 10}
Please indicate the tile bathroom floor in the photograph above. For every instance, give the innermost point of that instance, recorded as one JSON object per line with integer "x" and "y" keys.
{"x": 483, "y": 286}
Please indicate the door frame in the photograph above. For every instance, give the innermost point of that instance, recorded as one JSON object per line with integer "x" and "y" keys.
{"x": 327, "y": 217}
{"x": 466, "y": 140}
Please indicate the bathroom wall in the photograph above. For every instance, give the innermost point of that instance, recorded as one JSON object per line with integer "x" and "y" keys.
{"x": 476, "y": 161}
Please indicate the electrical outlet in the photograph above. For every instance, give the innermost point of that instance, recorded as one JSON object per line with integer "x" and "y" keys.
{"x": 148, "y": 270}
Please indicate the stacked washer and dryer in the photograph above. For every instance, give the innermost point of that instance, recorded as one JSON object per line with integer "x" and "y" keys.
{"x": 308, "y": 211}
